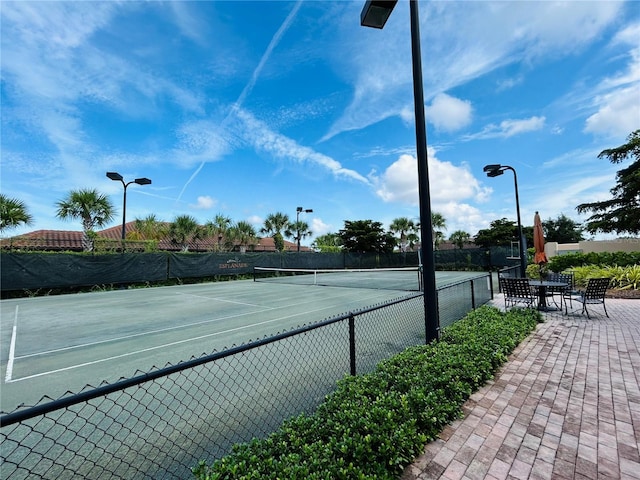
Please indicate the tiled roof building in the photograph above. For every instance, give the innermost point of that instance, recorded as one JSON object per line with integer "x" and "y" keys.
{"x": 60, "y": 240}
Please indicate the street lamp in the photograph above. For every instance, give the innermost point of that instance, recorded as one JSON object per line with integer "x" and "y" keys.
{"x": 299, "y": 210}
{"x": 495, "y": 170}
{"x": 375, "y": 14}
{"x": 118, "y": 178}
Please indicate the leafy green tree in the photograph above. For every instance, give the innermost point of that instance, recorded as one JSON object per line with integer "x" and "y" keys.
{"x": 94, "y": 209}
{"x": 562, "y": 230}
{"x": 329, "y": 242}
{"x": 406, "y": 230}
{"x": 499, "y": 234}
{"x": 244, "y": 234}
{"x": 183, "y": 230}
{"x": 366, "y": 236}
{"x": 273, "y": 226}
{"x": 459, "y": 238}
{"x": 13, "y": 212}
{"x": 621, "y": 213}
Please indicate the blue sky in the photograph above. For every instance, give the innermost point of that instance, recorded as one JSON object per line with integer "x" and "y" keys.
{"x": 251, "y": 108}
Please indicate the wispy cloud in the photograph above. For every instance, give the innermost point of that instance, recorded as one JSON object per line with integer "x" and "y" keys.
{"x": 508, "y": 128}
{"x": 249, "y": 86}
{"x": 513, "y": 32}
{"x": 262, "y": 138}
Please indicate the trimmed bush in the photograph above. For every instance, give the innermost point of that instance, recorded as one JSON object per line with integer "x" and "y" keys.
{"x": 560, "y": 263}
{"x": 373, "y": 425}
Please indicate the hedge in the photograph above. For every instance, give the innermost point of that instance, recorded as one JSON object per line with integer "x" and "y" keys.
{"x": 373, "y": 425}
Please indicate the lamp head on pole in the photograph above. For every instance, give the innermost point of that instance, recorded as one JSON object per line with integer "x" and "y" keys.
{"x": 493, "y": 170}
{"x": 375, "y": 13}
{"x": 115, "y": 176}
{"x": 142, "y": 181}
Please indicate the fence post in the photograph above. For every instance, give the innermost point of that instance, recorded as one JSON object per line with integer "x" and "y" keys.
{"x": 473, "y": 295}
{"x": 352, "y": 344}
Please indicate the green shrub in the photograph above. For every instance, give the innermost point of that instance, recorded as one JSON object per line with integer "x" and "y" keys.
{"x": 373, "y": 425}
{"x": 623, "y": 278}
{"x": 560, "y": 263}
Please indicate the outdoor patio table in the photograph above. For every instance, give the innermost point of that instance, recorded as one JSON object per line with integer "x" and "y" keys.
{"x": 541, "y": 286}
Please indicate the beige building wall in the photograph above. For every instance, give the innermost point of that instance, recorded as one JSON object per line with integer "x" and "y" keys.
{"x": 587, "y": 246}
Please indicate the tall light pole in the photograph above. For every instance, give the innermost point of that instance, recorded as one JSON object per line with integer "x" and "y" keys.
{"x": 118, "y": 178}
{"x": 299, "y": 210}
{"x": 375, "y": 14}
{"x": 495, "y": 170}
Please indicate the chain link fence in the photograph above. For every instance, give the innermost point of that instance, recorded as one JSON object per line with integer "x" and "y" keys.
{"x": 160, "y": 424}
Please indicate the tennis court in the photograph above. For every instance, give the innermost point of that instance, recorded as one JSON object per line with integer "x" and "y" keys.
{"x": 58, "y": 344}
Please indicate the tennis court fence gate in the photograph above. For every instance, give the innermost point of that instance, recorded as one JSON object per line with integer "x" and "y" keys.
{"x": 160, "y": 424}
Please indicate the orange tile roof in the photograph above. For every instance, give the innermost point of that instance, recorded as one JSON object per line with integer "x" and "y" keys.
{"x": 72, "y": 240}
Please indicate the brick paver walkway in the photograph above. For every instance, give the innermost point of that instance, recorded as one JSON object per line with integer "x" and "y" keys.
{"x": 565, "y": 406}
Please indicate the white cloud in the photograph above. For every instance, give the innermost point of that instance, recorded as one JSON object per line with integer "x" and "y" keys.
{"x": 204, "y": 203}
{"x": 462, "y": 216}
{"x": 448, "y": 183}
{"x": 494, "y": 35}
{"x": 318, "y": 227}
{"x": 617, "y": 97}
{"x": 448, "y": 113}
{"x": 508, "y": 128}
{"x": 263, "y": 138}
{"x": 201, "y": 141}
{"x": 255, "y": 220}
{"x": 618, "y": 113}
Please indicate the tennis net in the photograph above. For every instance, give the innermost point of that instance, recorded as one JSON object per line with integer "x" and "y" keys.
{"x": 405, "y": 278}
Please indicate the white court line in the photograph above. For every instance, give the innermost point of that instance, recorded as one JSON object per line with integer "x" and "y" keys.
{"x": 12, "y": 348}
{"x": 152, "y": 332}
{"x": 134, "y": 335}
{"x": 216, "y": 299}
{"x": 72, "y": 367}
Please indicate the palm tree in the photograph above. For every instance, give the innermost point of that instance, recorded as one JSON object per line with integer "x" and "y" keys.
{"x": 459, "y": 238}
{"x": 149, "y": 228}
{"x": 90, "y": 206}
{"x": 183, "y": 230}
{"x": 404, "y": 227}
{"x": 244, "y": 233}
{"x": 329, "y": 242}
{"x": 298, "y": 230}
{"x": 273, "y": 226}
{"x": 13, "y": 212}
{"x": 219, "y": 229}
{"x": 438, "y": 224}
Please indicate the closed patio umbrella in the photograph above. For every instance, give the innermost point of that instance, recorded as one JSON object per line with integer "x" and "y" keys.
{"x": 538, "y": 241}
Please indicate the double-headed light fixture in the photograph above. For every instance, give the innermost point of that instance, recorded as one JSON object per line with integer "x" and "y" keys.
{"x": 300, "y": 210}
{"x": 375, "y": 14}
{"x": 115, "y": 176}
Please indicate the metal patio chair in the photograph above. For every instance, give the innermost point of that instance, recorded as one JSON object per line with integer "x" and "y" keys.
{"x": 517, "y": 291}
{"x": 594, "y": 294}
{"x": 565, "y": 293}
